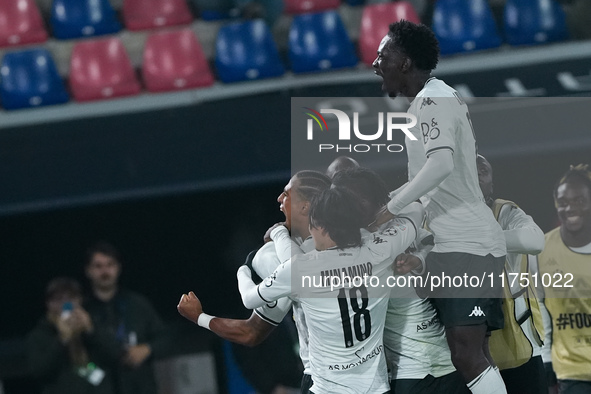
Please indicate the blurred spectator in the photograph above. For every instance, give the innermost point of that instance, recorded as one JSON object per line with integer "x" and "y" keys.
{"x": 130, "y": 320}
{"x": 64, "y": 350}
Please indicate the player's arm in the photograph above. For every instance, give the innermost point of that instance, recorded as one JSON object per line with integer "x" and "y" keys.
{"x": 415, "y": 260}
{"x": 249, "y": 332}
{"x": 438, "y": 166}
{"x": 285, "y": 247}
{"x": 275, "y": 286}
{"x": 522, "y": 234}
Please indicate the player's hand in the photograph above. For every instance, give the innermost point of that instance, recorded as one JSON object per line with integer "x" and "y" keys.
{"x": 267, "y": 236}
{"x": 190, "y": 307}
{"x": 136, "y": 355}
{"x": 405, "y": 263}
{"x": 383, "y": 216}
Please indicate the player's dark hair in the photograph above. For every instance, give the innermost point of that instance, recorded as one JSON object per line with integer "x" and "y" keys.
{"x": 339, "y": 213}
{"x": 311, "y": 183}
{"x": 339, "y": 164}
{"x": 62, "y": 285}
{"x": 417, "y": 41}
{"x": 367, "y": 186}
{"x": 579, "y": 172}
{"x": 102, "y": 247}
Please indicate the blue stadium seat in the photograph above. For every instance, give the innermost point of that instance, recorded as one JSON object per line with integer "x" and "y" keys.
{"x": 319, "y": 42}
{"x": 30, "y": 79}
{"x": 83, "y": 18}
{"x": 534, "y": 22}
{"x": 234, "y": 377}
{"x": 246, "y": 50}
{"x": 464, "y": 26}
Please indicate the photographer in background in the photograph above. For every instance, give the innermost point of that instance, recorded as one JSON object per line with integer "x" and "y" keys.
{"x": 64, "y": 350}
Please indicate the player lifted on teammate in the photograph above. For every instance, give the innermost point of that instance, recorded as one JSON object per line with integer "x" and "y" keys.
{"x": 442, "y": 173}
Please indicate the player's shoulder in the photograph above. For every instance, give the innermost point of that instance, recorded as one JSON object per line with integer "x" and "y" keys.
{"x": 437, "y": 95}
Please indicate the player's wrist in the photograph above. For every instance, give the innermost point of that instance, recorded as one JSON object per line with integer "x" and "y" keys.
{"x": 204, "y": 319}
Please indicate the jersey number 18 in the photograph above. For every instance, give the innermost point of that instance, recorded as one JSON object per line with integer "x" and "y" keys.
{"x": 359, "y": 310}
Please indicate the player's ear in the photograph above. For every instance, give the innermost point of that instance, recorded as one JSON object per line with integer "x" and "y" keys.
{"x": 406, "y": 64}
{"x": 305, "y": 208}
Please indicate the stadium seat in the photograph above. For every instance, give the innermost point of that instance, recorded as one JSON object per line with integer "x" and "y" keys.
{"x": 464, "y": 26}
{"x": 374, "y": 25}
{"x": 534, "y": 22}
{"x": 246, "y": 51}
{"x": 83, "y": 18}
{"x": 30, "y": 79}
{"x": 174, "y": 61}
{"x": 293, "y": 7}
{"x": 319, "y": 42}
{"x": 211, "y": 10}
{"x": 100, "y": 69}
{"x": 20, "y": 23}
{"x": 150, "y": 14}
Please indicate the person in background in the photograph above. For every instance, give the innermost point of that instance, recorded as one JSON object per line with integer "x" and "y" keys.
{"x": 64, "y": 350}
{"x": 131, "y": 322}
{"x": 517, "y": 348}
{"x": 566, "y": 260}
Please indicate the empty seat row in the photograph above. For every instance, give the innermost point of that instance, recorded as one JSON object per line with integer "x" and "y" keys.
{"x": 101, "y": 69}
{"x": 468, "y": 25}
{"x": 22, "y": 22}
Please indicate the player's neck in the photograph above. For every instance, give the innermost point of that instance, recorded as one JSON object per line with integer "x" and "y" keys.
{"x": 575, "y": 239}
{"x": 415, "y": 83}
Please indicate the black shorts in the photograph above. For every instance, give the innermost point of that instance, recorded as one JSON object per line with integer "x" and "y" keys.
{"x": 470, "y": 291}
{"x": 536, "y": 378}
{"x": 450, "y": 383}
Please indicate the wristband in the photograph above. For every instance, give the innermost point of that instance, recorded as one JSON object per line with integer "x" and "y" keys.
{"x": 204, "y": 319}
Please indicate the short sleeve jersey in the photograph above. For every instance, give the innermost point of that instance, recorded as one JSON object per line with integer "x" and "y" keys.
{"x": 345, "y": 322}
{"x": 456, "y": 212}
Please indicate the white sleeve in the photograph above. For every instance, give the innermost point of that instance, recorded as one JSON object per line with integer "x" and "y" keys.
{"x": 275, "y": 312}
{"x": 394, "y": 193}
{"x": 273, "y": 287}
{"x": 546, "y": 318}
{"x": 285, "y": 247}
{"x": 438, "y": 166}
{"x": 522, "y": 234}
{"x": 400, "y": 232}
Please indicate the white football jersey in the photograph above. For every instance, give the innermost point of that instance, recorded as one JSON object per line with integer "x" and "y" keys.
{"x": 456, "y": 212}
{"x": 345, "y": 322}
{"x": 265, "y": 262}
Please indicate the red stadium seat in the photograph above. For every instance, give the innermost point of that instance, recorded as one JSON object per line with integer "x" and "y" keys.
{"x": 174, "y": 61}
{"x": 150, "y": 14}
{"x": 20, "y": 23}
{"x": 374, "y": 25}
{"x": 101, "y": 69}
{"x": 305, "y": 6}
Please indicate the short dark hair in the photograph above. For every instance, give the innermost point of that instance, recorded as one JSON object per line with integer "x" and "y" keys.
{"x": 311, "y": 183}
{"x": 367, "y": 186}
{"x": 62, "y": 285}
{"x": 339, "y": 213}
{"x": 102, "y": 247}
{"x": 417, "y": 41}
{"x": 579, "y": 172}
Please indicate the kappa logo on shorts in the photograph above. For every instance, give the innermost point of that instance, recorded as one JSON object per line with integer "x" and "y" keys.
{"x": 477, "y": 312}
